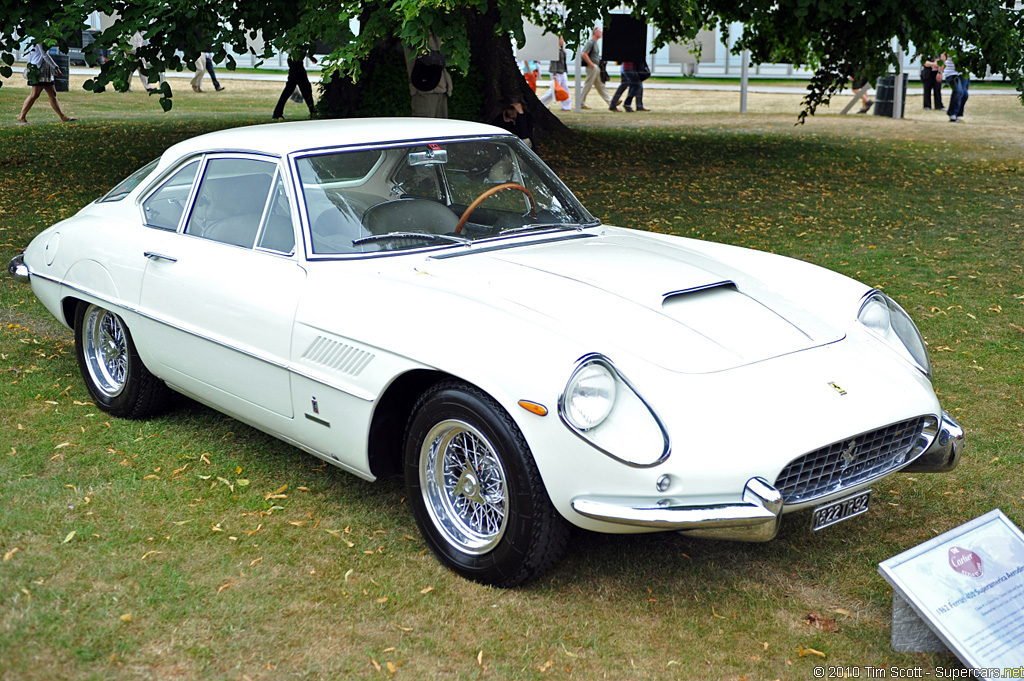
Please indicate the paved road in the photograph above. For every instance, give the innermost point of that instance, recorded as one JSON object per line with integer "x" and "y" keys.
{"x": 282, "y": 76}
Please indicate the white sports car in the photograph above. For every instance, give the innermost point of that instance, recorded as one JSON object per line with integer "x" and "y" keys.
{"x": 426, "y": 297}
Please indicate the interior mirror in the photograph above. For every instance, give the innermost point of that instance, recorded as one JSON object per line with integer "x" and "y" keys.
{"x": 430, "y": 157}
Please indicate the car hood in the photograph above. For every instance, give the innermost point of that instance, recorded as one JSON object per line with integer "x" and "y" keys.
{"x": 673, "y": 306}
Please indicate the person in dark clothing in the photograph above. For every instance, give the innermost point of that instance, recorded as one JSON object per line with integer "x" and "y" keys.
{"x": 516, "y": 120}
{"x": 931, "y": 81}
{"x": 296, "y": 78}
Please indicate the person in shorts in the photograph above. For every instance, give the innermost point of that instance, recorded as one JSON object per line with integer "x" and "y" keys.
{"x": 40, "y": 73}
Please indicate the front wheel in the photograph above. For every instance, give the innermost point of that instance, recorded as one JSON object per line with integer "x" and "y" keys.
{"x": 475, "y": 491}
{"x": 118, "y": 381}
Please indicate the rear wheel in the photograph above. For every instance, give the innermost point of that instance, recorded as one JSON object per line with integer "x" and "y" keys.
{"x": 118, "y": 381}
{"x": 475, "y": 490}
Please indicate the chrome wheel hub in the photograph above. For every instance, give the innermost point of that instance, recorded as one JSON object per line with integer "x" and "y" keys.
{"x": 464, "y": 486}
{"x": 105, "y": 349}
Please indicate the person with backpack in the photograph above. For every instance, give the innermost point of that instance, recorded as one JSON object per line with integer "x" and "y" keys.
{"x": 430, "y": 84}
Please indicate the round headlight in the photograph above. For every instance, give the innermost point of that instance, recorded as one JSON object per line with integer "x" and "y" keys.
{"x": 589, "y": 396}
{"x": 891, "y": 323}
{"x": 875, "y": 315}
{"x": 908, "y": 333}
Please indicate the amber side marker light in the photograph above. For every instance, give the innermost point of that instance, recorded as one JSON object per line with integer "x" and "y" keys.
{"x": 533, "y": 407}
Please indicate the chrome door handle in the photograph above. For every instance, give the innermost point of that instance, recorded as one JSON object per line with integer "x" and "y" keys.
{"x": 159, "y": 256}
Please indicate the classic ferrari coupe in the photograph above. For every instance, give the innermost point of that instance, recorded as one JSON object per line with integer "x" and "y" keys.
{"x": 426, "y": 297}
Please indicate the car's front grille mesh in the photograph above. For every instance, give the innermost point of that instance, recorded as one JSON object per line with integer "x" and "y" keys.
{"x": 850, "y": 462}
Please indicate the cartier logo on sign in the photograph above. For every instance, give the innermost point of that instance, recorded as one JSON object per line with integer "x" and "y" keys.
{"x": 965, "y": 562}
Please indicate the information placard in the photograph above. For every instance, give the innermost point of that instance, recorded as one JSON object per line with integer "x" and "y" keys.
{"x": 968, "y": 586}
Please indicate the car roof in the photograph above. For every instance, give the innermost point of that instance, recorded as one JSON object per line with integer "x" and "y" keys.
{"x": 284, "y": 138}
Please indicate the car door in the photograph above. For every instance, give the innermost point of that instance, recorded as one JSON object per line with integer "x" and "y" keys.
{"x": 221, "y": 286}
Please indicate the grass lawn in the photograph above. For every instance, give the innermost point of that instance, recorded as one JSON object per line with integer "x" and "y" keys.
{"x": 191, "y": 546}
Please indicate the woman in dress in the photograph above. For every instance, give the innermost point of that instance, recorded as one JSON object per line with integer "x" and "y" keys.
{"x": 41, "y": 72}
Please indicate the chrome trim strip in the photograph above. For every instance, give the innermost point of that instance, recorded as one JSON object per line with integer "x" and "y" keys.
{"x": 594, "y": 356}
{"x": 18, "y": 269}
{"x": 317, "y": 420}
{"x": 159, "y": 256}
{"x": 703, "y": 287}
{"x": 473, "y": 249}
{"x": 365, "y": 396}
{"x": 756, "y": 517}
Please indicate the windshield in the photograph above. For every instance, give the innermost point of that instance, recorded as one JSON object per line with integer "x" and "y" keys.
{"x": 431, "y": 195}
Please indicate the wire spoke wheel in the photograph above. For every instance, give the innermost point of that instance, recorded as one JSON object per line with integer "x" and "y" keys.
{"x": 464, "y": 486}
{"x": 105, "y": 351}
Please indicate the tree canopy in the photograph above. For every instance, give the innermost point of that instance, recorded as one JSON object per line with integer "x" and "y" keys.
{"x": 835, "y": 38}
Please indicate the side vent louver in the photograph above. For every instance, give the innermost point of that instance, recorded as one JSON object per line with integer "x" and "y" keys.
{"x": 337, "y": 356}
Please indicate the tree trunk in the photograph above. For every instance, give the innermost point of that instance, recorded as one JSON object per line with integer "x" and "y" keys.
{"x": 493, "y": 58}
{"x": 383, "y": 88}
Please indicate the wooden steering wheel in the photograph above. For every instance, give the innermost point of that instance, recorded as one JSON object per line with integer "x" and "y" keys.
{"x": 491, "y": 192}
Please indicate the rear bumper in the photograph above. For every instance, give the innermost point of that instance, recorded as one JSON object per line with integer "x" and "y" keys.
{"x": 18, "y": 269}
{"x": 944, "y": 453}
{"x": 755, "y": 518}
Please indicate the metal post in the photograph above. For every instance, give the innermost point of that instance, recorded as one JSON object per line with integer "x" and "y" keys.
{"x": 897, "y": 90}
{"x": 576, "y": 103}
{"x": 744, "y": 79}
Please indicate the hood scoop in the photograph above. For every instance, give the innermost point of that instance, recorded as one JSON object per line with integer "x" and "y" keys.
{"x": 734, "y": 321}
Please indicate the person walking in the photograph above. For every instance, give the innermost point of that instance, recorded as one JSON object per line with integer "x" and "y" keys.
{"x": 40, "y": 73}
{"x": 592, "y": 57}
{"x": 632, "y": 81}
{"x": 960, "y": 83}
{"x": 204, "y": 64}
{"x": 296, "y": 78}
{"x": 559, "y": 77}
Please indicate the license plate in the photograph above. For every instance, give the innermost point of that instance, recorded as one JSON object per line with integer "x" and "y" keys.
{"x": 837, "y": 511}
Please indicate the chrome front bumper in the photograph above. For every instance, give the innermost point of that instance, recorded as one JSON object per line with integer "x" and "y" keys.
{"x": 944, "y": 453}
{"x": 18, "y": 269}
{"x": 755, "y": 518}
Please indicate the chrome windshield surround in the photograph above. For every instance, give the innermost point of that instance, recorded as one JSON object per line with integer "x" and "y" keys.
{"x": 755, "y": 517}
{"x": 588, "y": 438}
{"x": 18, "y": 269}
{"x": 512, "y": 240}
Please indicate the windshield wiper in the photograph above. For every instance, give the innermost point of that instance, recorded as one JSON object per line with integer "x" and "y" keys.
{"x": 411, "y": 235}
{"x": 546, "y": 225}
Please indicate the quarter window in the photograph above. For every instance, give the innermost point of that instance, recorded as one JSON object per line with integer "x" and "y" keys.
{"x": 164, "y": 207}
{"x": 231, "y": 199}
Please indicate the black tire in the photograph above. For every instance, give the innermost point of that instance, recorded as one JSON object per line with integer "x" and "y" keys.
{"x": 491, "y": 522}
{"x": 120, "y": 384}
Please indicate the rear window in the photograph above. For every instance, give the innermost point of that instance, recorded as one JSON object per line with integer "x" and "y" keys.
{"x": 129, "y": 183}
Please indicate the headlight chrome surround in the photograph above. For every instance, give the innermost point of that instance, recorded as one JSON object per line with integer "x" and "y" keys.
{"x": 603, "y": 408}
{"x": 882, "y": 316}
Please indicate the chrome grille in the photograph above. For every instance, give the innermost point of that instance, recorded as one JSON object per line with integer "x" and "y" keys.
{"x": 853, "y": 460}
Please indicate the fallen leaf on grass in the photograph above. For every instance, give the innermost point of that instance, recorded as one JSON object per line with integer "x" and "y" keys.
{"x": 224, "y": 586}
{"x": 546, "y": 666}
{"x": 818, "y": 621}
{"x": 804, "y": 652}
{"x": 127, "y": 617}
{"x": 71, "y": 535}
{"x": 10, "y": 554}
{"x": 422, "y": 591}
{"x": 376, "y": 665}
{"x": 401, "y": 628}
{"x": 150, "y": 553}
{"x": 255, "y": 560}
